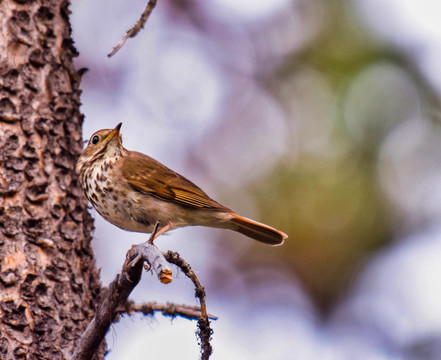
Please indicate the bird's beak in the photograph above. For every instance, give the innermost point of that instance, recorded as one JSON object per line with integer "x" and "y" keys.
{"x": 114, "y": 133}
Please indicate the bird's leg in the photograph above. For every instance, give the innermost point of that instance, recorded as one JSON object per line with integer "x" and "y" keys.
{"x": 153, "y": 234}
{"x": 156, "y": 233}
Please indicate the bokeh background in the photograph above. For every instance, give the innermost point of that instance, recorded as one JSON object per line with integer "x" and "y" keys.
{"x": 319, "y": 117}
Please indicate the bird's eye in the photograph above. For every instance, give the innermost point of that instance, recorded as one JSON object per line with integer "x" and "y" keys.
{"x": 95, "y": 140}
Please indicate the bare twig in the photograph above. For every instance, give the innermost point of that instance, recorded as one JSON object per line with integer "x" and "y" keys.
{"x": 116, "y": 294}
{"x": 169, "y": 309}
{"x": 204, "y": 331}
{"x": 136, "y": 28}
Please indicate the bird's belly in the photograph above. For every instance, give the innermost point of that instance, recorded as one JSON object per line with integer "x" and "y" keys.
{"x": 125, "y": 220}
{"x": 137, "y": 212}
{"x": 128, "y": 213}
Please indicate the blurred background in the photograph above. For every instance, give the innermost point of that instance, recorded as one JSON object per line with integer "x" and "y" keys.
{"x": 318, "y": 117}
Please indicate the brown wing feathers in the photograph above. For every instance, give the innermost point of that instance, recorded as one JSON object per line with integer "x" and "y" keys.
{"x": 147, "y": 175}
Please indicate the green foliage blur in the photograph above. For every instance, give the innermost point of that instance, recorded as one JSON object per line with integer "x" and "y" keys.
{"x": 356, "y": 120}
{"x": 343, "y": 94}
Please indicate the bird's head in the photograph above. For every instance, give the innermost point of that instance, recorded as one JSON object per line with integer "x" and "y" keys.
{"x": 103, "y": 143}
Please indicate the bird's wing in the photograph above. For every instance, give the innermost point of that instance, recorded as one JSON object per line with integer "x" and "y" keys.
{"x": 149, "y": 176}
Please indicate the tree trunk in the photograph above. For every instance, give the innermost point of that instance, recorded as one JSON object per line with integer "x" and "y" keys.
{"x": 48, "y": 280}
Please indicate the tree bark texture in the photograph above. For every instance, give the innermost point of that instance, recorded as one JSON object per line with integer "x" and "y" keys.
{"x": 48, "y": 281}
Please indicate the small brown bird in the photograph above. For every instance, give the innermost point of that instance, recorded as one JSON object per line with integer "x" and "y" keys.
{"x": 137, "y": 193}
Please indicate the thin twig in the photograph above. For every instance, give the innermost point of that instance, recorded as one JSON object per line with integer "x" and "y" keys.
{"x": 175, "y": 258}
{"x": 169, "y": 309}
{"x": 116, "y": 294}
{"x": 136, "y": 28}
{"x": 204, "y": 331}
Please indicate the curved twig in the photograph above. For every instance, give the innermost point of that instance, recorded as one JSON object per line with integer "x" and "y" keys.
{"x": 204, "y": 331}
{"x": 136, "y": 28}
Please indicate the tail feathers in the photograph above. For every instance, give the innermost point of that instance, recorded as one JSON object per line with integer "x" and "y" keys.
{"x": 257, "y": 231}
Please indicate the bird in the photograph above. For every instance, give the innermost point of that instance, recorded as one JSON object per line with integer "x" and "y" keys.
{"x": 137, "y": 193}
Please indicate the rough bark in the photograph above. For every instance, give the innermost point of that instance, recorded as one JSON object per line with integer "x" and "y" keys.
{"x": 48, "y": 281}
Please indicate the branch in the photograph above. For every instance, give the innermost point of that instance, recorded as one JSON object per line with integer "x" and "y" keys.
{"x": 204, "y": 331}
{"x": 136, "y": 28}
{"x": 116, "y": 294}
{"x": 114, "y": 299}
{"x": 169, "y": 309}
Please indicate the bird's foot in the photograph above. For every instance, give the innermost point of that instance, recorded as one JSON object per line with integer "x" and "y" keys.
{"x": 132, "y": 262}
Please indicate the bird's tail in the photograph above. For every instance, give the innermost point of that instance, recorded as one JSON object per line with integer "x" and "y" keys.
{"x": 256, "y": 230}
